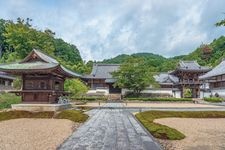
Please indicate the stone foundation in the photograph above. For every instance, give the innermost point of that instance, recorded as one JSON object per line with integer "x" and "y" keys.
{"x": 40, "y": 107}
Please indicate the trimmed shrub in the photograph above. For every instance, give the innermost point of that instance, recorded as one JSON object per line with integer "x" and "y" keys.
{"x": 213, "y": 99}
{"x": 159, "y": 99}
{"x": 89, "y": 98}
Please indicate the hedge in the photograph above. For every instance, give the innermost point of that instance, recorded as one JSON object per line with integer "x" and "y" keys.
{"x": 89, "y": 98}
{"x": 213, "y": 99}
{"x": 159, "y": 99}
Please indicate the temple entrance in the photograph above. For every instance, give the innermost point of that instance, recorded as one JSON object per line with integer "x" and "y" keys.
{"x": 114, "y": 90}
{"x": 187, "y": 93}
{"x": 190, "y": 91}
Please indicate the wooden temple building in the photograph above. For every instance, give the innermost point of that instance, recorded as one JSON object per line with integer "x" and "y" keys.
{"x": 42, "y": 77}
{"x": 215, "y": 80}
{"x": 101, "y": 78}
{"x": 6, "y": 82}
{"x": 188, "y": 73}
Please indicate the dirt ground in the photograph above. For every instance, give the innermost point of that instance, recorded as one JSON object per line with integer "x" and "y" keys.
{"x": 38, "y": 134}
{"x": 201, "y": 134}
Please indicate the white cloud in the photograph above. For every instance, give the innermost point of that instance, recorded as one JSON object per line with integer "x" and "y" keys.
{"x": 103, "y": 29}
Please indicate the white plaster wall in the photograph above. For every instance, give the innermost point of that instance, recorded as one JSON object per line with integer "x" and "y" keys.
{"x": 204, "y": 94}
{"x": 105, "y": 91}
{"x": 177, "y": 94}
{"x": 221, "y": 92}
{"x": 158, "y": 91}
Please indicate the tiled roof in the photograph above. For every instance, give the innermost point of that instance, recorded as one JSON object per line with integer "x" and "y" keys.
{"x": 6, "y": 76}
{"x": 102, "y": 71}
{"x": 218, "y": 70}
{"x": 190, "y": 65}
{"x": 166, "y": 78}
{"x": 42, "y": 56}
{"x": 31, "y": 64}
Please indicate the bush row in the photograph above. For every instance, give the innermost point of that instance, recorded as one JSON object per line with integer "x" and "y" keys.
{"x": 159, "y": 99}
{"x": 213, "y": 99}
{"x": 89, "y": 98}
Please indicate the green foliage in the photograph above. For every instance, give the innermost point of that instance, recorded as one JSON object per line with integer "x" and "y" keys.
{"x": 214, "y": 99}
{"x": 22, "y": 38}
{"x": 165, "y": 132}
{"x": 221, "y": 23}
{"x": 93, "y": 98}
{"x": 161, "y": 64}
{"x": 66, "y": 52}
{"x": 17, "y": 83}
{"x": 152, "y": 60}
{"x": 134, "y": 75}
{"x": 187, "y": 93}
{"x": 24, "y": 114}
{"x": 19, "y": 38}
{"x": 6, "y": 99}
{"x": 73, "y": 115}
{"x": 170, "y": 99}
{"x": 76, "y": 87}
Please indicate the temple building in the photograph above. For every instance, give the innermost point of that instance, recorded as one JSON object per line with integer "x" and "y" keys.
{"x": 42, "y": 78}
{"x": 188, "y": 73}
{"x": 167, "y": 83}
{"x": 101, "y": 80}
{"x": 215, "y": 80}
{"x": 6, "y": 82}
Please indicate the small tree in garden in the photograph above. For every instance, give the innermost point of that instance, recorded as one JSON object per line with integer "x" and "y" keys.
{"x": 76, "y": 87}
{"x": 134, "y": 75}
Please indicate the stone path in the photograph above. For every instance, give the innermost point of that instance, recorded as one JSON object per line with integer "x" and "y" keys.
{"x": 110, "y": 129}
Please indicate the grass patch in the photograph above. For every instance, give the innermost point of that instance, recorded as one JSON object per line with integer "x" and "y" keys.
{"x": 170, "y": 99}
{"x": 24, "y": 114}
{"x": 73, "y": 115}
{"x": 6, "y": 99}
{"x": 213, "y": 99}
{"x": 165, "y": 132}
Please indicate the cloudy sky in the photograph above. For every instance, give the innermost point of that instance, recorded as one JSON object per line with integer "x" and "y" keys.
{"x": 105, "y": 28}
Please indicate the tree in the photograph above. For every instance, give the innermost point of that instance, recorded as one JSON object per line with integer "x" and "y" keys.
{"x": 221, "y": 23}
{"x": 134, "y": 75}
{"x": 67, "y": 52}
{"x": 76, "y": 87}
{"x": 22, "y": 38}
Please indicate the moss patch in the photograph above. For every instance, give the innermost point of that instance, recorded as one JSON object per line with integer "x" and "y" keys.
{"x": 73, "y": 115}
{"x": 24, "y": 114}
{"x": 165, "y": 132}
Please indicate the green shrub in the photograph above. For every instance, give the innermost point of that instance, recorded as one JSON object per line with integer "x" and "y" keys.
{"x": 6, "y": 99}
{"x": 75, "y": 87}
{"x": 213, "y": 99}
{"x": 24, "y": 114}
{"x": 89, "y": 98}
{"x": 165, "y": 132}
{"x": 73, "y": 115}
{"x": 160, "y": 99}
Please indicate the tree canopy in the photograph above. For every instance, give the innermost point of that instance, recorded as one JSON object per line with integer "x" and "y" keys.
{"x": 134, "y": 75}
{"x": 18, "y": 38}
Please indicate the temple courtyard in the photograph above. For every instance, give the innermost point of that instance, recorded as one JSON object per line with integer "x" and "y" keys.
{"x": 113, "y": 126}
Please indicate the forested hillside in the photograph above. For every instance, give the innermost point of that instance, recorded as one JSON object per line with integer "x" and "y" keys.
{"x": 206, "y": 54}
{"x": 18, "y": 38}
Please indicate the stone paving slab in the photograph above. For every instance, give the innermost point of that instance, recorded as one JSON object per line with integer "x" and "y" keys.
{"x": 110, "y": 129}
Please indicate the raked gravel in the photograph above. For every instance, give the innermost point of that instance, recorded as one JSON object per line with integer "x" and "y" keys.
{"x": 201, "y": 134}
{"x": 34, "y": 134}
